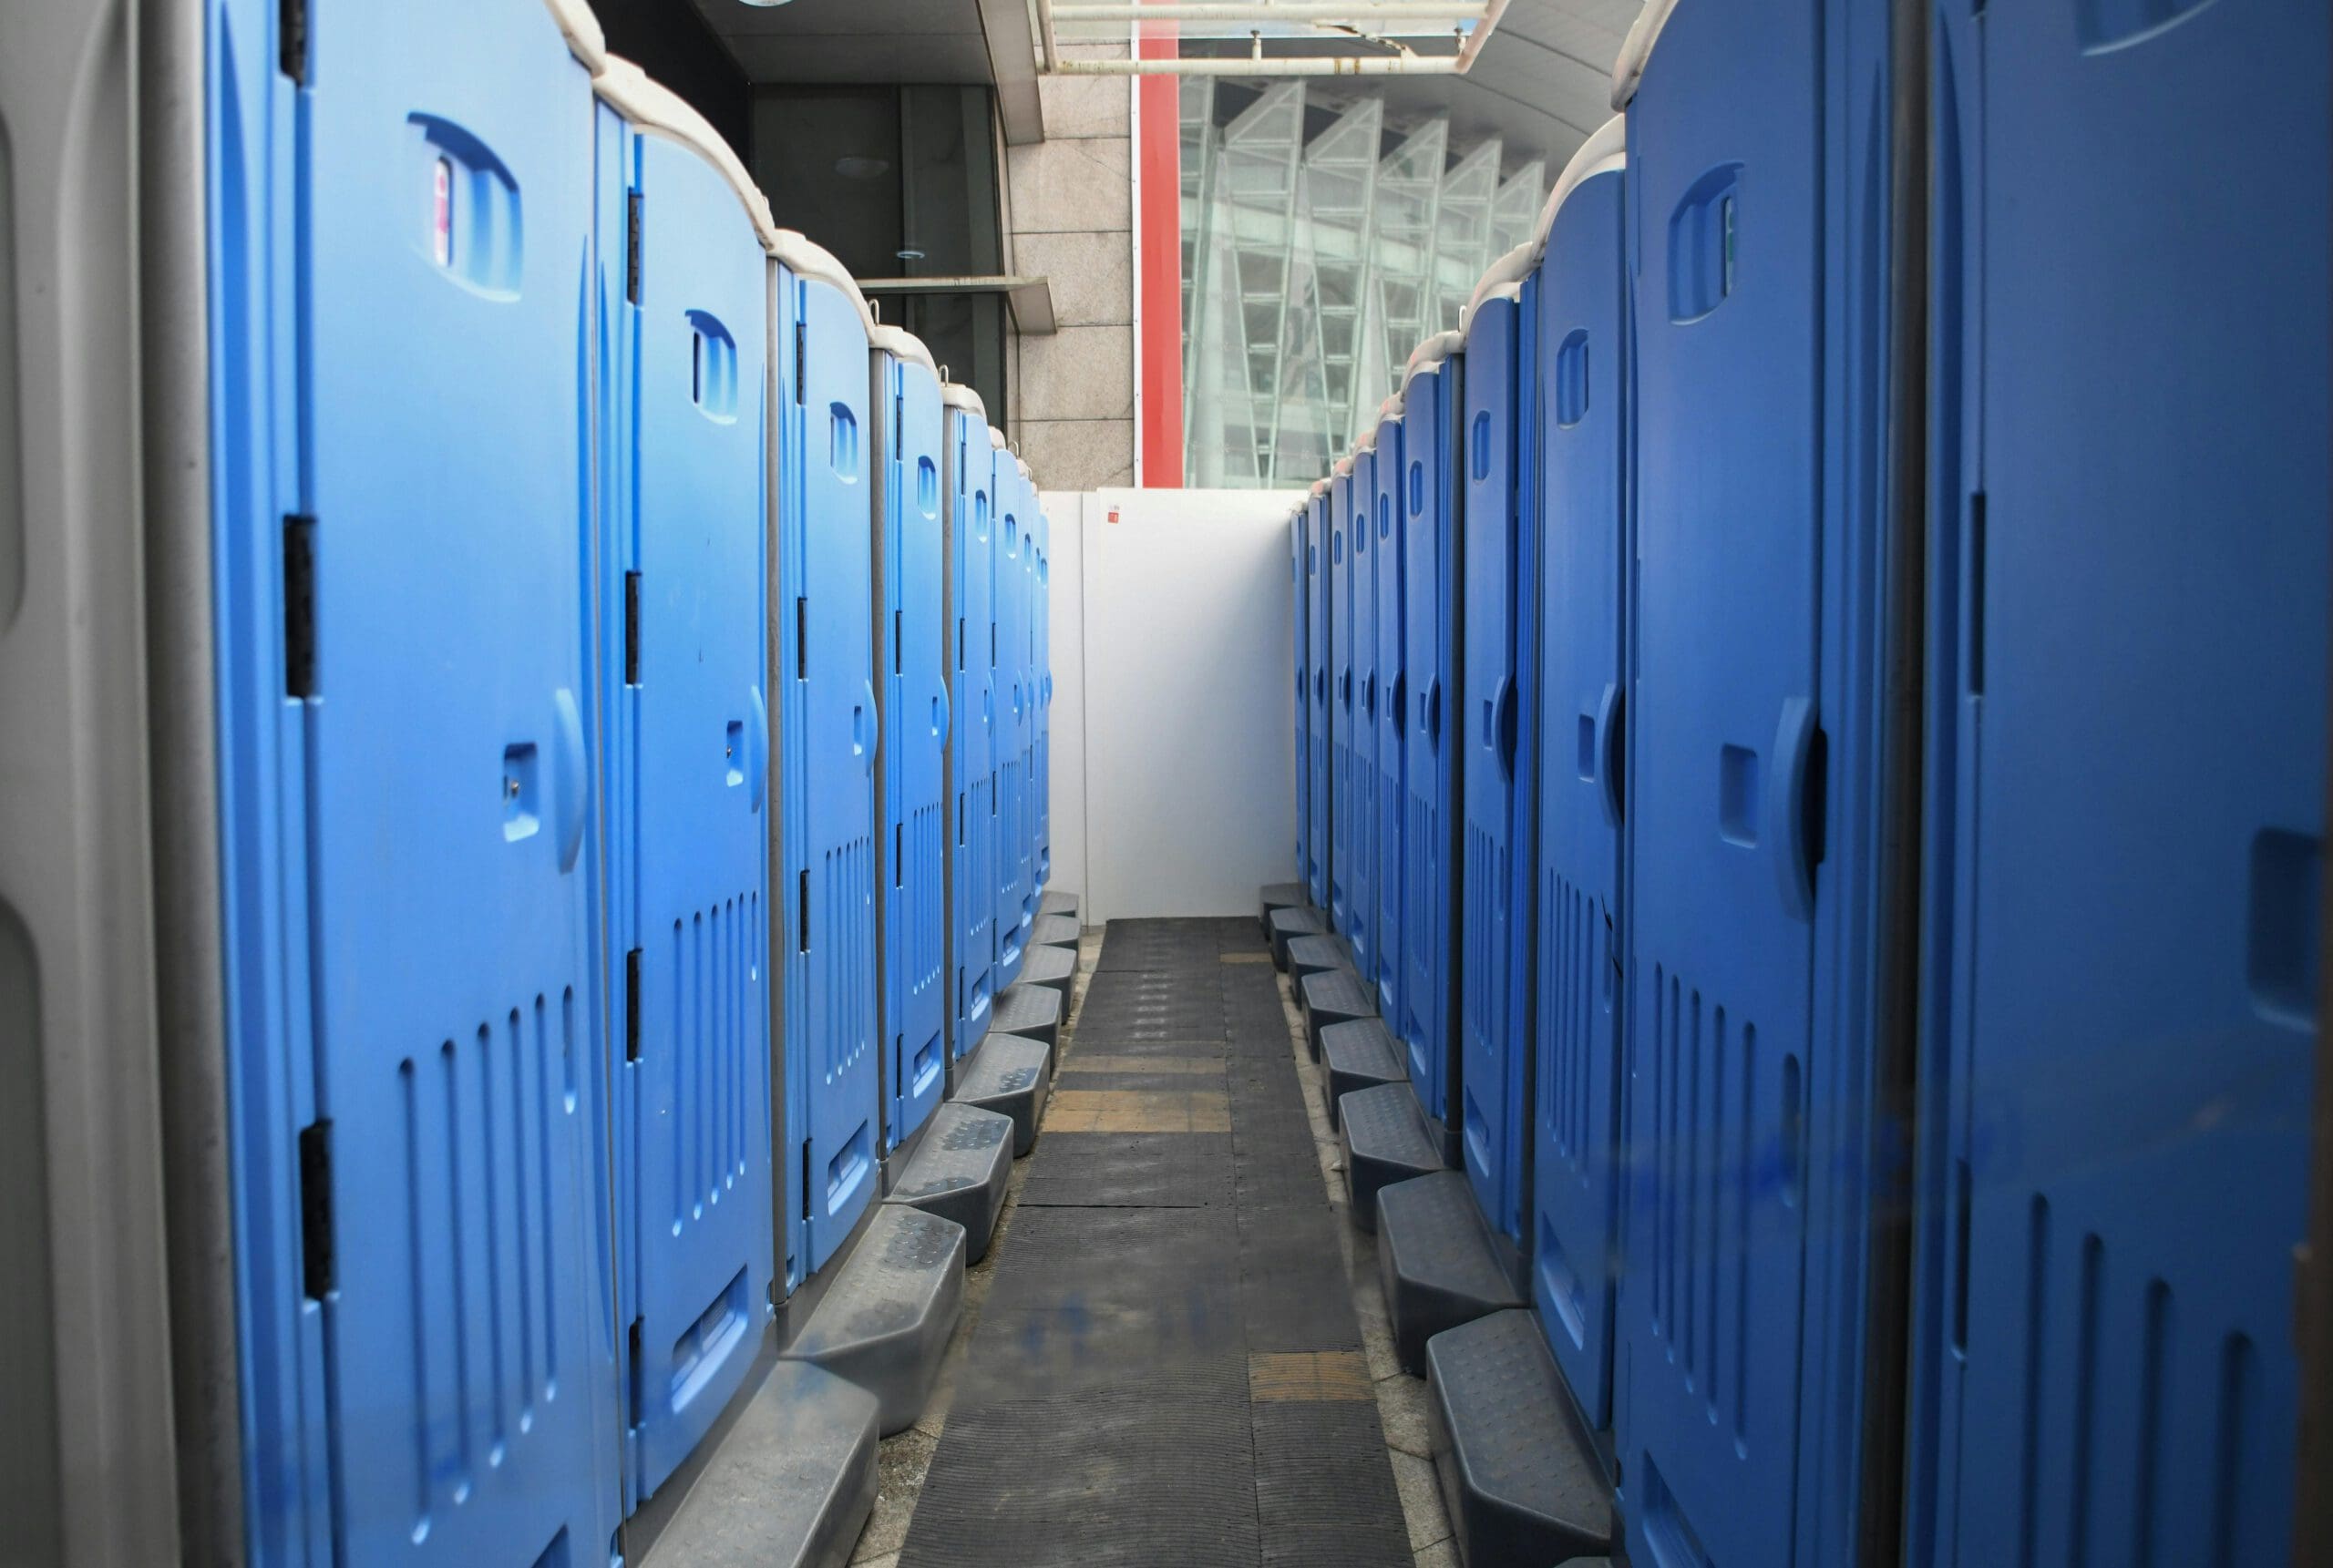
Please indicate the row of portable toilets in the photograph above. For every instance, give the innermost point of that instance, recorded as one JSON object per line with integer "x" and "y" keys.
{"x": 1809, "y": 825}
{"x": 633, "y": 693}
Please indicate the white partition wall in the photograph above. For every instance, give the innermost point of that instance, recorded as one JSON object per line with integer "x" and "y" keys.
{"x": 1188, "y": 787}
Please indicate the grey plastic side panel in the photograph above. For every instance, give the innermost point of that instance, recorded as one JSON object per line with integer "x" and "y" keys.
{"x": 85, "y": 1279}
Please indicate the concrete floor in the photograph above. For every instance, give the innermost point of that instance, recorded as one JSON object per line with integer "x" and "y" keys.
{"x": 1401, "y": 1399}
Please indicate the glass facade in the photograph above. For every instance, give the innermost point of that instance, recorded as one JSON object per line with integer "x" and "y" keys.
{"x": 1318, "y": 251}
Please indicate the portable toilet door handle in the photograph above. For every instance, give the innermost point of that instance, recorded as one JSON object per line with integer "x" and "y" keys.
{"x": 1786, "y": 805}
{"x": 1429, "y": 715}
{"x": 574, "y": 779}
{"x": 942, "y": 714}
{"x": 869, "y": 721}
{"x": 1608, "y": 751}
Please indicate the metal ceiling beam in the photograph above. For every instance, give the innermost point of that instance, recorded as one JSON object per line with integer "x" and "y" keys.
{"x": 1373, "y": 11}
{"x": 1402, "y": 62}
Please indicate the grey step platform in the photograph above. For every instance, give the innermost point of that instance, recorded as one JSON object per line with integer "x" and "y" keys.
{"x": 885, "y": 1321}
{"x": 1359, "y": 1054}
{"x": 1007, "y": 1075}
{"x": 1284, "y": 925}
{"x": 1032, "y": 1011}
{"x": 1385, "y": 1141}
{"x": 1058, "y": 904}
{"x": 1278, "y": 896}
{"x": 791, "y": 1485}
{"x": 1437, "y": 1261}
{"x": 1518, "y": 1475}
{"x": 960, "y": 1172}
{"x": 1311, "y": 955}
{"x": 1333, "y": 997}
{"x": 1053, "y": 931}
{"x": 1055, "y": 969}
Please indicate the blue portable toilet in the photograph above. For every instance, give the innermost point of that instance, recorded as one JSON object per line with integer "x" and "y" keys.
{"x": 1392, "y": 693}
{"x": 1318, "y": 694}
{"x": 1010, "y": 638}
{"x": 1497, "y": 671}
{"x": 1583, "y": 431}
{"x": 2128, "y": 702}
{"x": 409, "y": 1027}
{"x": 1300, "y": 661}
{"x": 684, "y": 590}
{"x": 1757, "y": 717}
{"x": 1433, "y": 947}
{"x": 1042, "y": 660}
{"x": 969, "y": 614}
{"x": 1338, "y": 615}
{"x": 832, "y": 730}
{"x": 911, "y": 908}
{"x": 1362, "y": 553}
{"x": 1027, "y": 650}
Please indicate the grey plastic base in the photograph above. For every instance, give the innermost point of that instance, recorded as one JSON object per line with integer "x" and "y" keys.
{"x": 1359, "y": 1054}
{"x": 1058, "y": 904}
{"x": 1519, "y": 1474}
{"x": 885, "y": 1323}
{"x": 1330, "y": 998}
{"x": 1055, "y": 969}
{"x": 1386, "y": 1142}
{"x": 960, "y": 1172}
{"x": 1311, "y": 955}
{"x": 1052, "y": 931}
{"x": 1284, "y": 925}
{"x": 791, "y": 1484}
{"x": 1008, "y": 1077}
{"x": 1034, "y": 1012}
{"x": 1278, "y": 896}
{"x": 1438, "y": 1262}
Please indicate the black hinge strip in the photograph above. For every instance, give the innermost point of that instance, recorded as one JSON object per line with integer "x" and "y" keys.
{"x": 632, "y": 629}
{"x": 318, "y": 1266}
{"x": 632, "y": 1005}
{"x": 299, "y": 607}
{"x": 632, "y": 200}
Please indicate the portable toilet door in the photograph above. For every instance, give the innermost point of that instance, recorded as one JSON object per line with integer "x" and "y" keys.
{"x": 971, "y": 777}
{"x": 1497, "y": 670}
{"x": 1433, "y": 943}
{"x": 1338, "y": 616}
{"x": 686, "y": 776}
{"x": 1026, "y": 650}
{"x": 1583, "y": 432}
{"x": 1301, "y": 667}
{"x": 1007, "y": 637}
{"x": 1316, "y": 694}
{"x": 407, "y": 814}
{"x": 830, "y": 728}
{"x": 1758, "y": 255}
{"x": 914, "y": 703}
{"x": 1361, "y": 881}
{"x": 2127, "y": 680}
{"x": 1393, "y": 696}
{"x": 1041, "y": 862}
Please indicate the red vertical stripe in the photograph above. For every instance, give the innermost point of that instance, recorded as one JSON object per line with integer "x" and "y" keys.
{"x": 1158, "y": 288}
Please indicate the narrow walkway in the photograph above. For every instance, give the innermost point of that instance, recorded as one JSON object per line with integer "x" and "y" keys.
{"x": 1163, "y": 1363}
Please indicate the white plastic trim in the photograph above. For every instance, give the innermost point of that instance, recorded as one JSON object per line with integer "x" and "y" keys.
{"x": 1606, "y": 150}
{"x": 1343, "y": 466}
{"x": 805, "y": 258}
{"x": 954, "y": 394}
{"x": 649, "y": 106}
{"x": 1319, "y": 488}
{"x": 995, "y": 439}
{"x": 1627, "y": 71}
{"x": 902, "y": 344}
{"x": 1429, "y": 355}
{"x": 1505, "y": 273}
{"x": 580, "y": 28}
{"x": 1023, "y": 463}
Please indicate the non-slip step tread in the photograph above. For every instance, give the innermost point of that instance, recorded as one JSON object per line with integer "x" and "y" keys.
{"x": 1363, "y": 1048}
{"x": 1008, "y": 1076}
{"x": 1436, "y": 1261}
{"x": 1385, "y": 1126}
{"x": 884, "y": 1323}
{"x": 960, "y": 1172}
{"x": 1337, "y": 992}
{"x": 1029, "y": 1011}
{"x": 1298, "y": 921}
{"x": 1055, "y": 969}
{"x": 792, "y": 1483}
{"x": 1309, "y": 955}
{"x": 1054, "y": 932}
{"x": 1058, "y": 904}
{"x": 1518, "y": 1471}
{"x": 1280, "y": 894}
